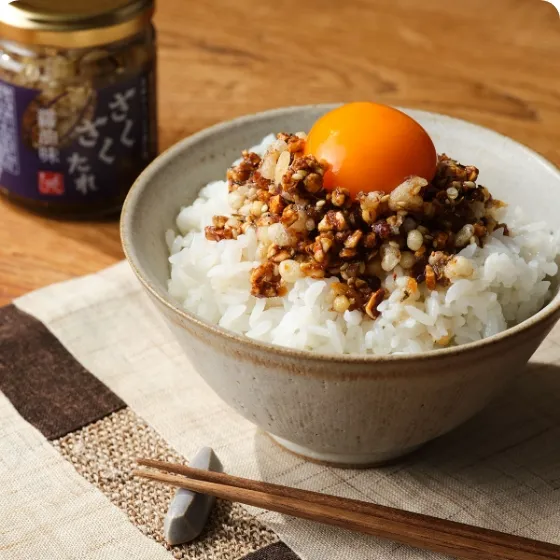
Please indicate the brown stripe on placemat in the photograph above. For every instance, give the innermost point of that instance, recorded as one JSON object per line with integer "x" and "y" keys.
{"x": 44, "y": 382}
{"x": 93, "y": 429}
{"x": 105, "y": 452}
{"x": 275, "y": 551}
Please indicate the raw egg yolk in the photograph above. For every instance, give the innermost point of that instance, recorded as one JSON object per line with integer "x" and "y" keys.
{"x": 371, "y": 147}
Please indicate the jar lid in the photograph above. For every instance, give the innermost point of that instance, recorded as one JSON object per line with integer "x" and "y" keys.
{"x": 73, "y": 23}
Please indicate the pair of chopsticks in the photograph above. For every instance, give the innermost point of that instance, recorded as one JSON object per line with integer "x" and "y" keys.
{"x": 421, "y": 531}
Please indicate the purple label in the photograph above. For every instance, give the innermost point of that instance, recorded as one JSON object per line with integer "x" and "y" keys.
{"x": 78, "y": 145}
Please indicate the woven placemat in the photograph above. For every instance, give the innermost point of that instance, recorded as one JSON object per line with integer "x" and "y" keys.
{"x": 90, "y": 379}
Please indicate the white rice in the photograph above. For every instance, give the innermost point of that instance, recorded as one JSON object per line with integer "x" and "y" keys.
{"x": 511, "y": 281}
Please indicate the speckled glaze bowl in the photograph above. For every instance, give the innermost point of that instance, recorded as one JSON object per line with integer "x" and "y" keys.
{"x": 343, "y": 410}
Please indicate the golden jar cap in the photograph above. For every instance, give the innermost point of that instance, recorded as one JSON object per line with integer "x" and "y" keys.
{"x": 73, "y": 24}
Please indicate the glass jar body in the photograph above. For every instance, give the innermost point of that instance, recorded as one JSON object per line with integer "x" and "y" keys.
{"x": 77, "y": 126}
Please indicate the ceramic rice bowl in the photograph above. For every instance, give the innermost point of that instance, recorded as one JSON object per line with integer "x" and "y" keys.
{"x": 348, "y": 410}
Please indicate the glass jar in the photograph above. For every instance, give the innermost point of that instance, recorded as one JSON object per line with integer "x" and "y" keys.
{"x": 77, "y": 103}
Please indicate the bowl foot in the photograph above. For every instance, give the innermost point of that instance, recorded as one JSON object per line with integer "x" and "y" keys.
{"x": 343, "y": 460}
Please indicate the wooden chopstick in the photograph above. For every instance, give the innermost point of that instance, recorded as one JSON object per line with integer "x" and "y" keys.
{"x": 421, "y": 531}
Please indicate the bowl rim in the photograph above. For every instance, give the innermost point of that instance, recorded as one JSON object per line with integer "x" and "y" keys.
{"x": 549, "y": 313}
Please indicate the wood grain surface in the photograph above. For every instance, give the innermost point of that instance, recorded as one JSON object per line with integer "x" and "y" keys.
{"x": 493, "y": 62}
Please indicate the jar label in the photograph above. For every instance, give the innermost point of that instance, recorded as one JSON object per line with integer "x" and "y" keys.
{"x": 78, "y": 144}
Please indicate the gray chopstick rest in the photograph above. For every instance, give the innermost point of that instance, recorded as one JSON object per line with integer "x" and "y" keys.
{"x": 189, "y": 511}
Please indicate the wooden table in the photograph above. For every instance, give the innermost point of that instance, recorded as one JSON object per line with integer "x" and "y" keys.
{"x": 493, "y": 62}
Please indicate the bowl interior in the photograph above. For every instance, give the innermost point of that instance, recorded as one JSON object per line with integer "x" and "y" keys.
{"x": 511, "y": 171}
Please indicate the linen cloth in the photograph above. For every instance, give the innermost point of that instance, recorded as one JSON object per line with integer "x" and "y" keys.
{"x": 91, "y": 378}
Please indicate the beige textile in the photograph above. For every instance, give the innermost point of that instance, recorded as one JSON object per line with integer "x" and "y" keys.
{"x": 105, "y": 453}
{"x": 48, "y": 511}
{"x": 501, "y": 470}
